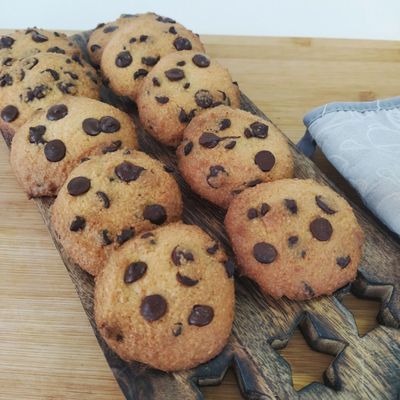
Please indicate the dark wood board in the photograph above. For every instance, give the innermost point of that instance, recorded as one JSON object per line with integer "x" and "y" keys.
{"x": 365, "y": 367}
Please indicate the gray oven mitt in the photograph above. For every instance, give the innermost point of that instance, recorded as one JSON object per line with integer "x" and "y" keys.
{"x": 362, "y": 141}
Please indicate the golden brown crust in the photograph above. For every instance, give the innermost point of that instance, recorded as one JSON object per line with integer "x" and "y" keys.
{"x": 302, "y": 265}
{"x": 169, "y": 342}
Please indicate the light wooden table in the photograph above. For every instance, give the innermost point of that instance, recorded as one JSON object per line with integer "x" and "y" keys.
{"x": 47, "y": 348}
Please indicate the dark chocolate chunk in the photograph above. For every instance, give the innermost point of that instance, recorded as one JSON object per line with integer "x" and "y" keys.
{"x": 201, "y": 315}
{"x": 30, "y": 62}
{"x": 259, "y": 130}
{"x": 140, "y": 73}
{"x": 153, "y": 307}
{"x": 321, "y": 229}
{"x": 321, "y": 203}
{"x": 127, "y": 172}
{"x": 182, "y": 43}
{"x": 181, "y": 63}
{"x": 172, "y": 30}
{"x": 265, "y": 160}
{"x": 106, "y": 237}
{"x": 264, "y": 253}
{"x": 56, "y": 50}
{"x": 38, "y": 37}
{"x": 143, "y": 38}
{"x": 308, "y": 290}
{"x": 54, "y": 74}
{"x": 230, "y": 145}
{"x": 55, "y": 150}
{"x": 109, "y": 124}
{"x": 6, "y": 80}
{"x": 94, "y": 48}
{"x": 9, "y": 113}
{"x": 162, "y": 99}
{"x": 91, "y": 126}
{"x": 185, "y": 280}
{"x": 156, "y": 82}
{"x": 132, "y": 40}
{"x": 229, "y": 267}
{"x": 36, "y": 134}
{"x": 188, "y": 148}
{"x": 252, "y": 213}
{"x": 66, "y": 87}
{"x": 247, "y": 133}
{"x": 177, "y": 329}
{"x": 224, "y": 124}
{"x": 8, "y": 61}
{"x": 291, "y": 205}
{"x": 77, "y": 224}
{"x": 175, "y": 74}
{"x": 109, "y": 29}
{"x": 126, "y": 234}
{"x": 264, "y": 208}
{"x": 155, "y": 213}
{"x": 186, "y": 85}
{"x": 123, "y": 59}
{"x": 213, "y": 249}
{"x": 201, "y": 60}
{"x": 104, "y": 198}
{"x": 343, "y": 262}
{"x": 212, "y": 177}
{"x": 203, "y": 98}
{"x": 185, "y": 117}
{"x": 114, "y": 146}
{"x": 72, "y": 75}
{"x": 38, "y": 92}
{"x": 254, "y": 182}
{"x": 150, "y": 61}
{"x": 209, "y": 140}
{"x": 292, "y": 240}
{"x": 78, "y": 185}
{"x": 180, "y": 256}
{"x": 134, "y": 271}
{"x": 6, "y": 42}
{"x": 165, "y": 20}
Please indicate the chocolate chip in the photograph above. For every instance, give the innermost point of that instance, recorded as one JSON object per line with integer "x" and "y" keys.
{"x": 175, "y": 74}
{"x": 123, "y": 59}
{"x": 308, "y": 290}
{"x": 224, "y": 124}
{"x": 265, "y": 160}
{"x": 109, "y": 124}
{"x": 8, "y": 61}
{"x": 38, "y": 37}
{"x": 185, "y": 117}
{"x": 169, "y": 169}
{"x": 259, "y": 130}
{"x": 91, "y": 126}
{"x": 186, "y": 85}
{"x": 165, "y": 20}
{"x": 201, "y": 61}
{"x": 77, "y": 224}
{"x": 181, "y": 63}
{"x": 94, "y": 48}
{"x": 140, "y": 73}
{"x": 56, "y": 50}
{"x": 264, "y": 253}
{"x": 254, "y": 182}
{"x": 264, "y": 208}
{"x": 291, "y": 205}
{"x": 209, "y": 140}
{"x": 143, "y": 38}
{"x": 203, "y": 98}
{"x": 150, "y": 61}
{"x": 230, "y": 145}
{"x": 125, "y": 235}
{"x": 343, "y": 262}
{"x": 321, "y": 203}
{"x": 162, "y": 99}
{"x": 30, "y": 62}
{"x": 292, "y": 240}
{"x": 78, "y": 185}
{"x": 252, "y": 213}
{"x": 9, "y": 113}
{"x": 213, "y": 177}
{"x": 104, "y": 198}
{"x": 114, "y": 146}
{"x": 54, "y": 74}
{"x": 127, "y": 172}
{"x": 155, "y": 213}
{"x": 6, "y": 42}
{"x": 182, "y": 43}
{"x": 38, "y": 92}
{"x": 201, "y": 315}
{"x": 100, "y": 25}
{"x": 67, "y": 87}
{"x": 229, "y": 268}
{"x": 188, "y": 148}
{"x": 6, "y": 80}
{"x": 132, "y": 40}
{"x": 109, "y": 29}
{"x": 72, "y": 75}
{"x": 156, "y": 82}
{"x": 185, "y": 280}
{"x": 213, "y": 249}
{"x": 153, "y": 307}
{"x": 177, "y": 329}
{"x": 57, "y": 112}
{"x": 247, "y": 133}
{"x": 180, "y": 256}
{"x": 321, "y": 229}
{"x": 135, "y": 271}
{"x": 36, "y": 134}
{"x": 55, "y": 150}
{"x": 106, "y": 238}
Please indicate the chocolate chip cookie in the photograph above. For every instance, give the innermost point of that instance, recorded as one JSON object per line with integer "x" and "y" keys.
{"x": 110, "y": 199}
{"x": 41, "y": 80}
{"x": 295, "y": 238}
{"x": 165, "y": 299}
{"x": 179, "y": 87}
{"x": 59, "y": 137}
{"x": 226, "y": 150}
{"x": 137, "y": 47}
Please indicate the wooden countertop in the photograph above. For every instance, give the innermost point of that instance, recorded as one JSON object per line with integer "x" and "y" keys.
{"x": 47, "y": 348}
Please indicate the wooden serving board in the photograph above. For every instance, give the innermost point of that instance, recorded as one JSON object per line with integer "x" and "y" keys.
{"x": 364, "y": 368}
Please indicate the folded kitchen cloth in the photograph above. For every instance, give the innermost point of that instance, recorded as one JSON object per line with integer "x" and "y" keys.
{"x": 362, "y": 141}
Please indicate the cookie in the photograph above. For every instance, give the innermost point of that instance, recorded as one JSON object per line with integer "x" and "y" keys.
{"x": 225, "y": 150}
{"x": 42, "y": 80}
{"x": 108, "y": 200}
{"x": 165, "y": 299}
{"x": 179, "y": 87}
{"x": 136, "y": 48}
{"x": 295, "y": 238}
{"x": 56, "y": 139}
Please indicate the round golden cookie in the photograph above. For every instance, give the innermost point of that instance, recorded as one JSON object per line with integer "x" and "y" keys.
{"x": 56, "y": 139}
{"x": 109, "y": 199}
{"x": 225, "y": 150}
{"x": 42, "y": 80}
{"x": 295, "y": 238}
{"x": 137, "y": 47}
{"x": 179, "y": 87}
{"x": 165, "y": 300}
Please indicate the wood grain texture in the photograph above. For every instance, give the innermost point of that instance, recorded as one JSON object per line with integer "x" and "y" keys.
{"x": 246, "y": 351}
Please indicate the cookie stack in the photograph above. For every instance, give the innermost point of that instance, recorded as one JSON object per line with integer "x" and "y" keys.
{"x": 164, "y": 291}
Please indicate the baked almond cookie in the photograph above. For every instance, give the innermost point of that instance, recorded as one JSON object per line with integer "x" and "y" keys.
{"x": 295, "y": 238}
{"x": 225, "y": 150}
{"x": 109, "y": 199}
{"x": 41, "y": 80}
{"x": 179, "y": 87}
{"x": 165, "y": 299}
{"x": 137, "y": 47}
{"x": 56, "y": 139}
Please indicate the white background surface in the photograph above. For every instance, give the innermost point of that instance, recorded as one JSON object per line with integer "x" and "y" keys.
{"x": 369, "y": 19}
